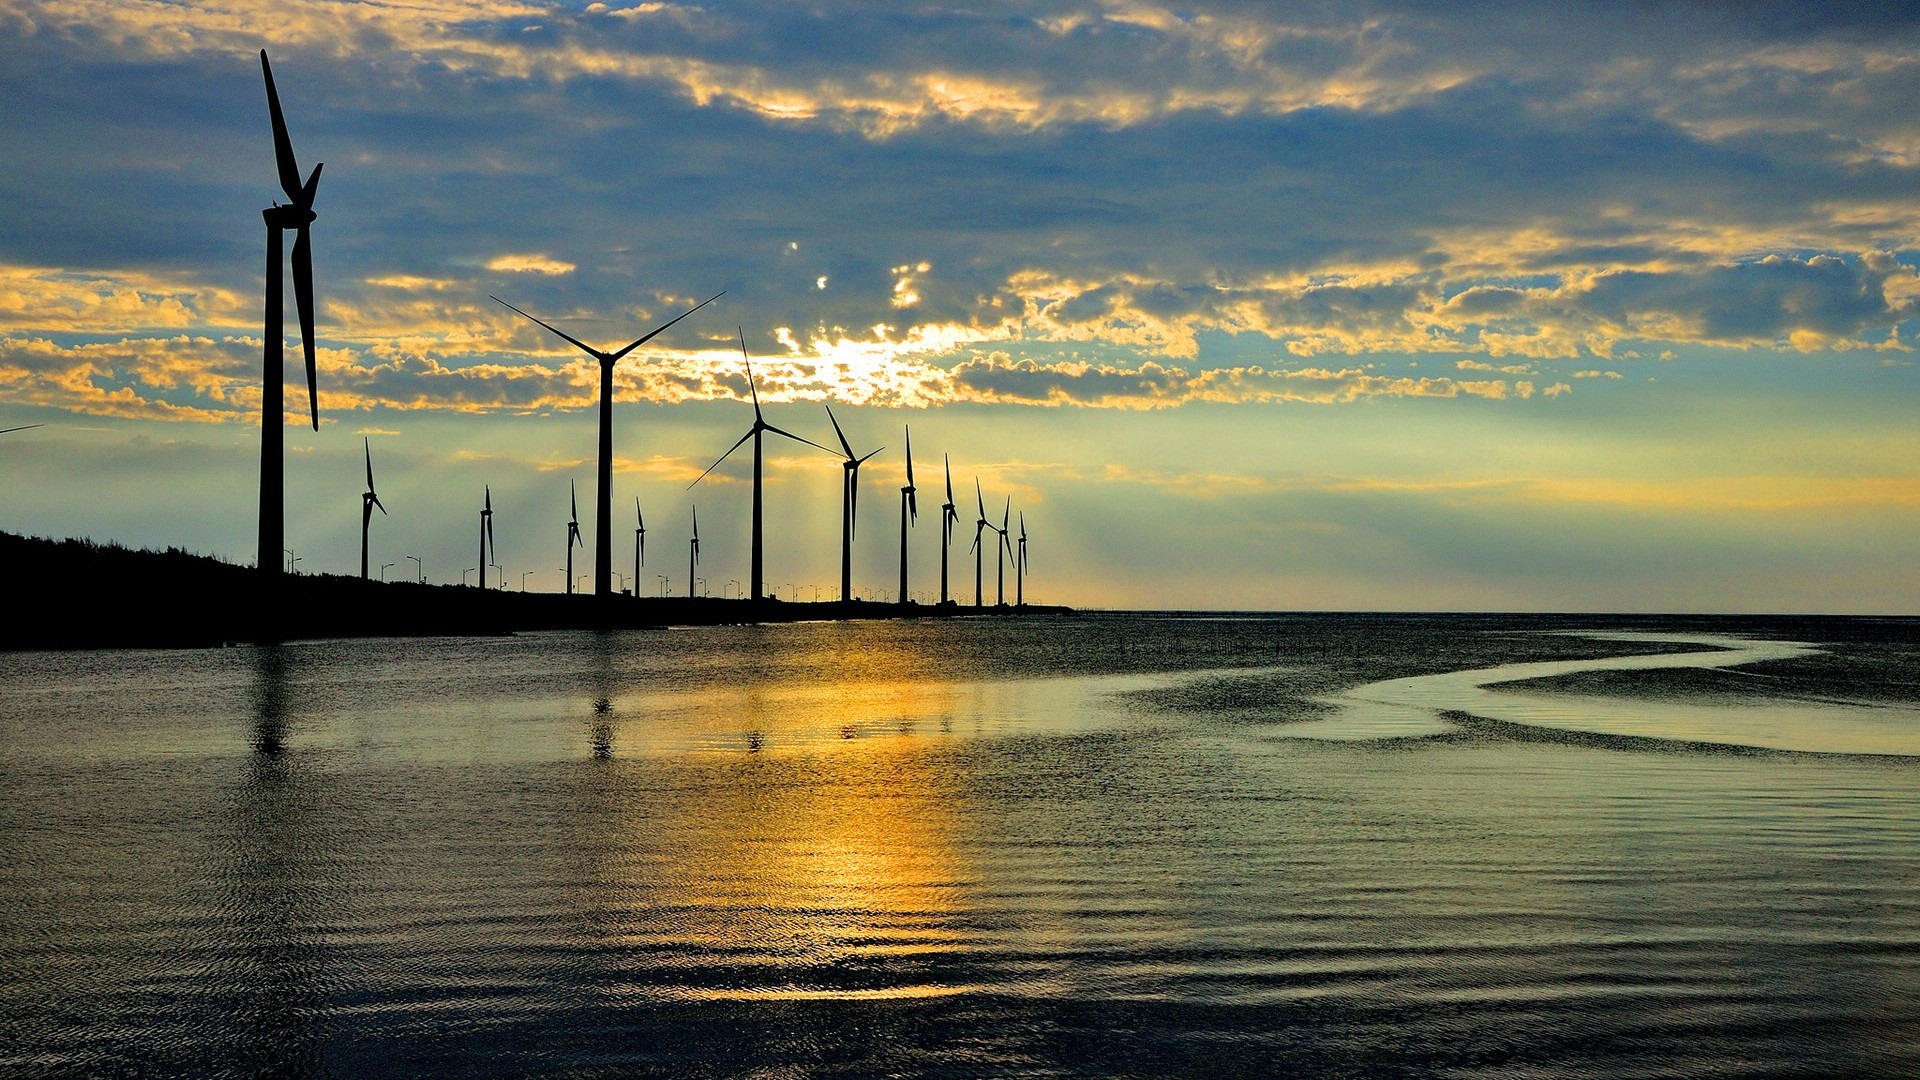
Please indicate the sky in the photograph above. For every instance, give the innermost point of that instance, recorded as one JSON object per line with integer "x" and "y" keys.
{"x": 1351, "y": 306}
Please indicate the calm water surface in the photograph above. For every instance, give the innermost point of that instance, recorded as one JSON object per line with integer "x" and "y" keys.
{"x": 1102, "y": 846}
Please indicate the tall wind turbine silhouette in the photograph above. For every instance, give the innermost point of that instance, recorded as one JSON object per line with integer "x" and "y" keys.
{"x": 603, "y": 527}
{"x": 486, "y": 536}
{"x": 693, "y": 559}
{"x": 1000, "y": 586}
{"x": 573, "y": 533}
{"x": 949, "y": 517}
{"x": 849, "y": 506}
{"x": 368, "y": 500}
{"x": 979, "y": 526}
{"x": 639, "y": 544}
{"x": 909, "y": 513}
{"x": 1020, "y": 566}
{"x": 296, "y": 216}
{"x": 759, "y": 425}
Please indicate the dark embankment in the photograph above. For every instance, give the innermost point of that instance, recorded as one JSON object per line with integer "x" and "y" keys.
{"x": 77, "y": 594}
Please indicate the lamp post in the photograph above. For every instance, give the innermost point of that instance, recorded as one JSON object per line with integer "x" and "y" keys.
{"x": 419, "y": 569}
{"x": 663, "y": 585}
{"x": 523, "y": 579}
{"x": 500, "y": 575}
{"x": 463, "y": 576}
{"x": 289, "y": 553}
{"x": 384, "y": 567}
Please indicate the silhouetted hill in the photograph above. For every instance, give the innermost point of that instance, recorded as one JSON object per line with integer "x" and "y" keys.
{"x": 82, "y": 594}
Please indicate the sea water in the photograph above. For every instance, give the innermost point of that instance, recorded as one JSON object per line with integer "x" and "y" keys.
{"x": 1103, "y": 845}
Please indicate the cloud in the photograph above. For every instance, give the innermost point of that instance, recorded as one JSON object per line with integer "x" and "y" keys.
{"x": 528, "y": 264}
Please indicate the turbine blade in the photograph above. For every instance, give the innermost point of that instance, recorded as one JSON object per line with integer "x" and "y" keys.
{"x": 23, "y": 427}
{"x": 573, "y": 493}
{"x": 795, "y": 438}
{"x": 310, "y": 188}
{"x": 282, "y": 146}
{"x": 909, "y": 457}
{"x": 913, "y": 508}
{"x": 491, "y": 545}
{"x": 489, "y": 498}
{"x": 1006, "y": 516}
{"x": 744, "y": 359}
{"x": 863, "y": 460}
{"x": 722, "y": 457}
{"x": 367, "y": 444}
{"x": 303, "y": 299}
{"x": 649, "y": 336}
{"x": 837, "y": 431}
{"x": 376, "y": 502}
{"x": 978, "y": 499}
{"x": 576, "y": 342}
{"x": 639, "y": 518}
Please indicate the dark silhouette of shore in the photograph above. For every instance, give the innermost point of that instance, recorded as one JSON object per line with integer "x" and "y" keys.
{"x": 79, "y": 594}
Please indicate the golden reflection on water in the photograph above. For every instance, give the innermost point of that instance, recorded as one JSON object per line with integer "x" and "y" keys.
{"x": 801, "y": 875}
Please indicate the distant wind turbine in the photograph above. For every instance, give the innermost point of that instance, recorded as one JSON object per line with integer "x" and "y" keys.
{"x": 368, "y": 500}
{"x": 573, "y": 533}
{"x": 949, "y": 517}
{"x": 603, "y": 527}
{"x": 759, "y": 425}
{"x": 693, "y": 558}
{"x": 979, "y": 526}
{"x": 1020, "y": 566}
{"x": 296, "y": 216}
{"x": 639, "y": 544}
{"x": 486, "y": 536}
{"x": 909, "y": 513}
{"x": 1000, "y": 586}
{"x": 849, "y": 505}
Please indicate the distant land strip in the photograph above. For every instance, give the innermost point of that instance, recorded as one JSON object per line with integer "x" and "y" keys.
{"x": 80, "y": 594}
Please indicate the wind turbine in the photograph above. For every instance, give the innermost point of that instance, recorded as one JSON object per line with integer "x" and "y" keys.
{"x": 639, "y": 544}
{"x": 693, "y": 560}
{"x": 949, "y": 517}
{"x": 849, "y": 505}
{"x": 1020, "y": 566}
{"x": 486, "y": 537}
{"x": 759, "y": 425}
{"x": 603, "y": 527}
{"x": 1000, "y": 585}
{"x": 979, "y": 599}
{"x": 909, "y": 513}
{"x": 573, "y": 534}
{"x": 297, "y": 215}
{"x": 368, "y": 500}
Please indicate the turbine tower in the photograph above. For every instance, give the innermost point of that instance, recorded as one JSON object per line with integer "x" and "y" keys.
{"x": 573, "y": 533}
{"x": 979, "y": 526}
{"x": 849, "y": 506}
{"x": 368, "y": 500}
{"x": 297, "y": 215}
{"x": 759, "y": 425}
{"x": 1000, "y": 585}
{"x": 1020, "y": 566}
{"x": 486, "y": 537}
{"x": 909, "y": 513}
{"x": 693, "y": 559}
{"x": 603, "y": 527}
{"x": 949, "y": 517}
{"x": 639, "y": 545}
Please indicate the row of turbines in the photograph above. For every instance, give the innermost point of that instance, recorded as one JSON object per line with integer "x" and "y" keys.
{"x": 298, "y": 215}
{"x": 1009, "y": 547}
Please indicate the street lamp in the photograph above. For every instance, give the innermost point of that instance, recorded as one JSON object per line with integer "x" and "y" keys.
{"x": 523, "y": 579}
{"x": 419, "y": 569}
{"x": 384, "y": 567}
{"x": 290, "y": 563}
{"x": 699, "y": 584}
{"x": 463, "y": 576}
{"x": 289, "y": 552}
{"x": 789, "y": 586}
{"x": 500, "y": 576}
{"x": 663, "y": 585}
